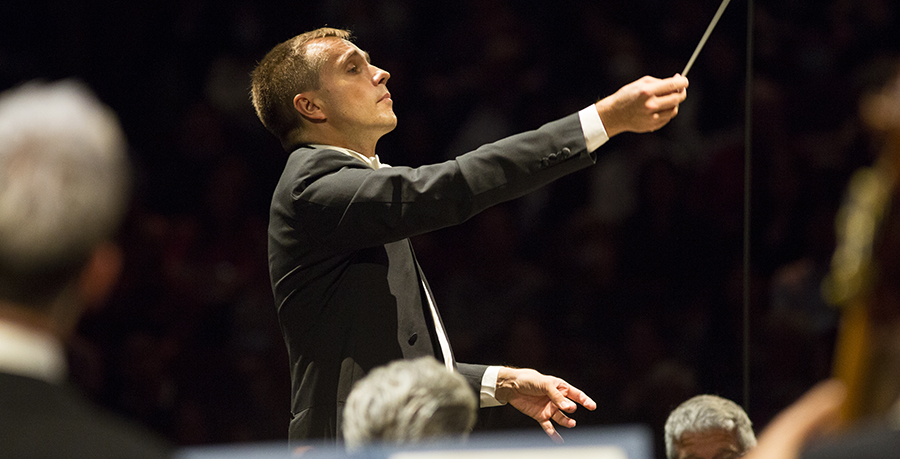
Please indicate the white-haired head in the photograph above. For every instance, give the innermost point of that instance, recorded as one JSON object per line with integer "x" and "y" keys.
{"x": 408, "y": 401}
{"x": 64, "y": 186}
{"x": 704, "y": 414}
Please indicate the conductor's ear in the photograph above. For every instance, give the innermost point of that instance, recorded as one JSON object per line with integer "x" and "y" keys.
{"x": 308, "y": 108}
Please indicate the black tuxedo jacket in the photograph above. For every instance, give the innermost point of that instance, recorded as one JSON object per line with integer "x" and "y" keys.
{"x": 348, "y": 289}
{"x": 43, "y": 420}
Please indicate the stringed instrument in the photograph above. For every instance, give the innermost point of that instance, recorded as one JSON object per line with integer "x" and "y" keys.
{"x": 864, "y": 281}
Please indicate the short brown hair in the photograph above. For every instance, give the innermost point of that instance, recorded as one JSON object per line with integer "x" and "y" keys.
{"x": 284, "y": 72}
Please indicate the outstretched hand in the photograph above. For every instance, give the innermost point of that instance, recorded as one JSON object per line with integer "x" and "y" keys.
{"x": 642, "y": 106}
{"x": 542, "y": 397}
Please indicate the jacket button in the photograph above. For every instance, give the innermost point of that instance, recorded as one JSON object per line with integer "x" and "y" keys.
{"x": 565, "y": 153}
{"x": 413, "y": 338}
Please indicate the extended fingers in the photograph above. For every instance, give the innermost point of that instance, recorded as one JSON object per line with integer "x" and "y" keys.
{"x": 563, "y": 420}
{"x": 567, "y": 398}
{"x": 551, "y": 431}
{"x": 581, "y": 398}
{"x": 560, "y": 419}
{"x": 558, "y": 398}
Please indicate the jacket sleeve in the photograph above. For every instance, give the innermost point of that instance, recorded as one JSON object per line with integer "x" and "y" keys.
{"x": 473, "y": 374}
{"x": 344, "y": 205}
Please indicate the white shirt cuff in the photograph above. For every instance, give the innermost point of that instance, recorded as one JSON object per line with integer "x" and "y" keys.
{"x": 489, "y": 387}
{"x": 592, "y": 127}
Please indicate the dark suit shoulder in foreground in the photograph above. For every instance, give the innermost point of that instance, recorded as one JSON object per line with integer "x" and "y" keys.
{"x": 43, "y": 420}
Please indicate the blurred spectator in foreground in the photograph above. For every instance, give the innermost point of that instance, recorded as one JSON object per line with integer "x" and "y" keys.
{"x": 64, "y": 187}
{"x": 408, "y": 401}
{"x": 708, "y": 427}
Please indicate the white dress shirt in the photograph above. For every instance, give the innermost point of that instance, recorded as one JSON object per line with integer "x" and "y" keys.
{"x": 25, "y": 352}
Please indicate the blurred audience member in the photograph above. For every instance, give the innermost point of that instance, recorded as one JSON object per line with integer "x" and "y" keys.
{"x": 64, "y": 187}
{"x": 408, "y": 401}
{"x": 708, "y": 427}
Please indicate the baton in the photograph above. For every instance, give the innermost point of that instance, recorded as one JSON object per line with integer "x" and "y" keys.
{"x": 712, "y": 25}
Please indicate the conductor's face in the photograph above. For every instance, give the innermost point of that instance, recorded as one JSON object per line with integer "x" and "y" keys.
{"x": 353, "y": 95}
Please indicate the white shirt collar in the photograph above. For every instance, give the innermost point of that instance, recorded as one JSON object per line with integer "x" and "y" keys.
{"x": 26, "y": 353}
{"x": 373, "y": 162}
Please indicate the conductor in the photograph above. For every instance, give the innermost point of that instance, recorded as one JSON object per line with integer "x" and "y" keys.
{"x": 349, "y": 292}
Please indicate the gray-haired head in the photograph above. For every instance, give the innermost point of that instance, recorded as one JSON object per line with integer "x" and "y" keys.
{"x": 705, "y": 413}
{"x": 64, "y": 186}
{"x": 408, "y": 401}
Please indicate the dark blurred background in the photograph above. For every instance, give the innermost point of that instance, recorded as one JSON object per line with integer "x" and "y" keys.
{"x": 625, "y": 278}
